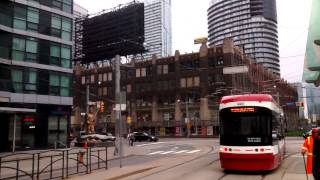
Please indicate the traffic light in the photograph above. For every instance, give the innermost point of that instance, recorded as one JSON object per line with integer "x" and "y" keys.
{"x": 101, "y": 106}
{"x": 129, "y": 120}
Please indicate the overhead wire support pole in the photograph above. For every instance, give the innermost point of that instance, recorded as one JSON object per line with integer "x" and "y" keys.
{"x": 118, "y": 102}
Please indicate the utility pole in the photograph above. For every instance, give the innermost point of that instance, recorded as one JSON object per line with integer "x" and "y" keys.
{"x": 187, "y": 117}
{"x": 118, "y": 102}
{"x": 87, "y": 105}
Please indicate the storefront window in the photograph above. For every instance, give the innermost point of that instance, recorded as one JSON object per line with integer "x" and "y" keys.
{"x": 57, "y": 129}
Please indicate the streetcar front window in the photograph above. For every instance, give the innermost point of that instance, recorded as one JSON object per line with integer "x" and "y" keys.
{"x": 245, "y": 126}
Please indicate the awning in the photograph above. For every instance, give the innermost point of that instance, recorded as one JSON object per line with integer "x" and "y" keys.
{"x": 16, "y": 110}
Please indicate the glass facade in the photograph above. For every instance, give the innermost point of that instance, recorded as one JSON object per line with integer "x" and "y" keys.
{"x": 38, "y": 46}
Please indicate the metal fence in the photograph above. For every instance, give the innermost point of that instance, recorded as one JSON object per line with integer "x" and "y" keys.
{"x": 53, "y": 164}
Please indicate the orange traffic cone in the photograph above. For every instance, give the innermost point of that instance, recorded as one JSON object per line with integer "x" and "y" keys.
{"x": 81, "y": 155}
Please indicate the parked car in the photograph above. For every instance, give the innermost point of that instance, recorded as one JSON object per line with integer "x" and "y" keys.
{"x": 142, "y": 136}
{"x": 102, "y": 137}
{"x": 308, "y": 133}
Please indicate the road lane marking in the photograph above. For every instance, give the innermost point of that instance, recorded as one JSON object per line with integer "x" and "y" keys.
{"x": 157, "y": 152}
{"x": 182, "y": 151}
{"x": 139, "y": 145}
{"x": 168, "y": 152}
{"x": 194, "y": 151}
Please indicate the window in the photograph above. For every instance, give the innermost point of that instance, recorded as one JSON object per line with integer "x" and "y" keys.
{"x": 24, "y": 49}
{"x": 57, "y": 4}
{"x": 54, "y": 84}
{"x": 189, "y": 82}
{"x": 110, "y": 76}
{"x": 183, "y": 82}
{"x": 196, "y": 81}
{"x": 100, "y": 78}
{"x": 31, "y": 50}
{"x": 162, "y": 69}
{"x": 20, "y": 17}
{"x": 26, "y": 19}
{"x": 129, "y": 88}
{"x": 105, "y": 91}
{"x": 105, "y": 76}
{"x": 65, "y": 56}
{"x": 66, "y": 6}
{"x": 65, "y": 84}
{"x": 54, "y": 54}
{"x": 17, "y": 80}
{"x": 30, "y": 81}
{"x": 59, "y": 85}
{"x": 60, "y": 56}
{"x": 138, "y": 72}
{"x": 33, "y": 19}
{"x": 92, "y": 78}
{"x": 165, "y": 69}
{"x": 143, "y": 72}
{"x": 99, "y": 91}
{"x": 56, "y": 26}
{"x": 61, "y": 27}
{"x": 66, "y": 29}
{"x": 159, "y": 69}
{"x": 18, "y": 47}
{"x": 83, "y": 80}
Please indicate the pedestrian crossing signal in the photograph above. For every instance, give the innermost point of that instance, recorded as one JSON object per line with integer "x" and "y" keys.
{"x": 300, "y": 104}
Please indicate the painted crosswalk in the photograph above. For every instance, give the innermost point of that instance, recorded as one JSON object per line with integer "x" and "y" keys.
{"x": 174, "y": 152}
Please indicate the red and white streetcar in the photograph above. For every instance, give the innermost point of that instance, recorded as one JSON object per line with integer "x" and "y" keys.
{"x": 251, "y": 132}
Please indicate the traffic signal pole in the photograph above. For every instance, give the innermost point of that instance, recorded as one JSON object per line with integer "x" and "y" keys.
{"x": 118, "y": 102}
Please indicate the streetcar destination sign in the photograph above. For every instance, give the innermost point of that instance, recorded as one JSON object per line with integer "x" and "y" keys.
{"x": 243, "y": 110}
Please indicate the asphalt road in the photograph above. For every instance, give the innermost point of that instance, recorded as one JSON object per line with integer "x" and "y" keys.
{"x": 190, "y": 159}
{"x": 186, "y": 159}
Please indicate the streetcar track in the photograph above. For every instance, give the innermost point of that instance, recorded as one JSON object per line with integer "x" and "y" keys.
{"x": 263, "y": 176}
{"x": 183, "y": 163}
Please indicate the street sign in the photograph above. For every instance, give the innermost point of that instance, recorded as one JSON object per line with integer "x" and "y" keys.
{"x": 235, "y": 70}
{"x": 291, "y": 104}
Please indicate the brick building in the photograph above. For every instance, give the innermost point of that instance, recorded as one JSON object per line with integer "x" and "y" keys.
{"x": 162, "y": 92}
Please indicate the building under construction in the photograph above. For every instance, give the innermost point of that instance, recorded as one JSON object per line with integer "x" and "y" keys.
{"x": 119, "y": 31}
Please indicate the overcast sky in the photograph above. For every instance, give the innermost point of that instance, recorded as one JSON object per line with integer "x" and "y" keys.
{"x": 189, "y": 20}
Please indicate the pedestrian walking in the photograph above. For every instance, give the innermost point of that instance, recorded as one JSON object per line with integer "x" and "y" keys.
{"x": 311, "y": 147}
{"x": 131, "y": 139}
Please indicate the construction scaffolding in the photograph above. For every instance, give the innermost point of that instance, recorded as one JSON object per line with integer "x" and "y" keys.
{"x": 118, "y": 31}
